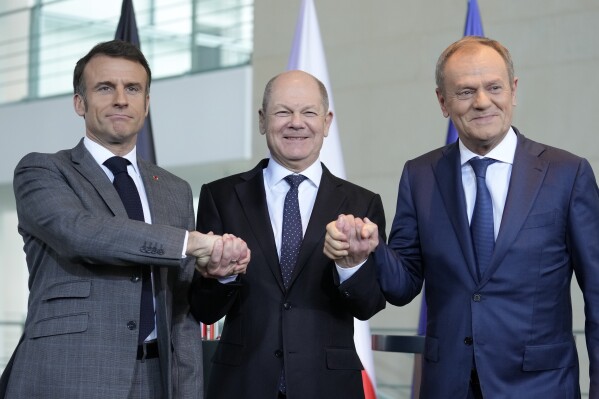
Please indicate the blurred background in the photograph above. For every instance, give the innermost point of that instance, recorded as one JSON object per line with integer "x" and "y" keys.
{"x": 211, "y": 59}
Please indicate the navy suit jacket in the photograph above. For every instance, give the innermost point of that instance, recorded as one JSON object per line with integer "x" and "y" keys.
{"x": 307, "y": 327}
{"x": 515, "y": 322}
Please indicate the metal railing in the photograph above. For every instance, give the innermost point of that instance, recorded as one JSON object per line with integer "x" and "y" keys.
{"x": 40, "y": 44}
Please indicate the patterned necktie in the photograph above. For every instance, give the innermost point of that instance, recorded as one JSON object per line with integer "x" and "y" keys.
{"x": 125, "y": 186}
{"x": 292, "y": 228}
{"x": 291, "y": 240}
{"x": 481, "y": 225}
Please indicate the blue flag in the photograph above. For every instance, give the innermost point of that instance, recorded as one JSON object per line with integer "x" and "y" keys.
{"x": 127, "y": 31}
{"x": 472, "y": 27}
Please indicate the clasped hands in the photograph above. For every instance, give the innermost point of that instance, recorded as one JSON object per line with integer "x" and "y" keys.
{"x": 218, "y": 256}
{"x": 349, "y": 240}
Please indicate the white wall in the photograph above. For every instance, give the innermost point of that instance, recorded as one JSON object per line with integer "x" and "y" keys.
{"x": 197, "y": 119}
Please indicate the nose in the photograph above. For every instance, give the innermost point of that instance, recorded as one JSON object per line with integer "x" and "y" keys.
{"x": 120, "y": 98}
{"x": 482, "y": 99}
{"x": 296, "y": 120}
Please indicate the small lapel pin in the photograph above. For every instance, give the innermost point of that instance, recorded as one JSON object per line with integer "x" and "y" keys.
{"x": 155, "y": 177}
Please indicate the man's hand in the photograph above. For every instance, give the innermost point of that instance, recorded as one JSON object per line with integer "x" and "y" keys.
{"x": 218, "y": 256}
{"x": 349, "y": 240}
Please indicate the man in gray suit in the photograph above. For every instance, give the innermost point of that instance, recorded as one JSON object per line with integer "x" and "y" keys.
{"x": 86, "y": 256}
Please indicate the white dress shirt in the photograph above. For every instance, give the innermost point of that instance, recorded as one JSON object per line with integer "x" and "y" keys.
{"x": 497, "y": 178}
{"x": 276, "y": 189}
{"x": 101, "y": 154}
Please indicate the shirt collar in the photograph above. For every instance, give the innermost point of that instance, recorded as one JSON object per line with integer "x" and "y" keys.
{"x": 275, "y": 173}
{"x": 101, "y": 153}
{"x": 504, "y": 152}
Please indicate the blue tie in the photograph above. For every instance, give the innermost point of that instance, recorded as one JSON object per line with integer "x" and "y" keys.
{"x": 481, "y": 225}
{"x": 125, "y": 187}
{"x": 292, "y": 228}
{"x": 291, "y": 240}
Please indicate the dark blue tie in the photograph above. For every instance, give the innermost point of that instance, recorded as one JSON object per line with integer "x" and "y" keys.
{"x": 125, "y": 186}
{"x": 292, "y": 228}
{"x": 291, "y": 240}
{"x": 481, "y": 225}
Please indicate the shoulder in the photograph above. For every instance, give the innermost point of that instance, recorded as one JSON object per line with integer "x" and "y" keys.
{"x": 345, "y": 185}
{"x": 548, "y": 153}
{"x": 229, "y": 182}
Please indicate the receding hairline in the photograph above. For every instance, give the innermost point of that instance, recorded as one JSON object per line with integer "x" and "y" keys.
{"x": 472, "y": 44}
{"x": 324, "y": 96}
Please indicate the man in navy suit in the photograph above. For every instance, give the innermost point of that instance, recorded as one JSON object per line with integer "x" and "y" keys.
{"x": 500, "y": 328}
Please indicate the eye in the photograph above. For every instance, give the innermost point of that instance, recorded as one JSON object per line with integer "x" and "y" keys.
{"x": 310, "y": 114}
{"x": 103, "y": 89}
{"x": 465, "y": 94}
{"x": 495, "y": 89}
{"x": 133, "y": 89}
{"x": 282, "y": 114}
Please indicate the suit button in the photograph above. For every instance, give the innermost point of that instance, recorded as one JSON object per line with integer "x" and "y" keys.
{"x": 476, "y": 297}
{"x": 278, "y": 353}
{"x": 286, "y": 306}
{"x": 468, "y": 341}
{"x": 346, "y": 294}
{"x": 131, "y": 325}
{"x": 135, "y": 278}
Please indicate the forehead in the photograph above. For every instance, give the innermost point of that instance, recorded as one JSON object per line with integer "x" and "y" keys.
{"x": 474, "y": 61}
{"x": 102, "y": 68}
{"x": 295, "y": 90}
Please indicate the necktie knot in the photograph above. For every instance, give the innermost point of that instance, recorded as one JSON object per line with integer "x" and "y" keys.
{"x": 117, "y": 164}
{"x": 295, "y": 180}
{"x": 480, "y": 165}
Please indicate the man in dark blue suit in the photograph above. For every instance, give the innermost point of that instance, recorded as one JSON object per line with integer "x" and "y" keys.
{"x": 498, "y": 325}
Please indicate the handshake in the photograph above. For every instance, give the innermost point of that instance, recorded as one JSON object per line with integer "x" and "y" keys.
{"x": 218, "y": 256}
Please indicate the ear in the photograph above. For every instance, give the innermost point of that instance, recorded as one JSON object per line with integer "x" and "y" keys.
{"x": 262, "y": 121}
{"x": 79, "y": 104}
{"x": 147, "y": 104}
{"x": 441, "y": 100}
{"x": 328, "y": 119}
{"x": 514, "y": 87}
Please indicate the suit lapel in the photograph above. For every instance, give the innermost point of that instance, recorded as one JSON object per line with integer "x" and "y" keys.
{"x": 448, "y": 174}
{"x": 327, "y": 205}
{"x": 528, "y": 173}
{"x": 87, "y": 166}
{"x": 252, "y": 199}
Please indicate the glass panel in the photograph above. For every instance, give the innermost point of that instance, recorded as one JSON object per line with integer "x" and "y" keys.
{"x": 40, "y": 44}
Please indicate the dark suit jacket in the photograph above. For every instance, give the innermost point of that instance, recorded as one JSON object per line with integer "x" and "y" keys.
{"x": 308, "y": 327}
{"x": 516, "y": 321}
{"x": 84, "y": 257}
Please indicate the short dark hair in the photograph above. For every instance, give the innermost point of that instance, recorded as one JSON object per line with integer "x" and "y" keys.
{"x": 470, "y": 42}
{"x": 321, "y": 87}
{"x": 113, "y": 48}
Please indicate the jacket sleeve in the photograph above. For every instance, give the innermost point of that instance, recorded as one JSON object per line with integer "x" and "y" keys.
{"x": 399, "y": 263}
{"x": 361, "y": 292}
{"x": 210, "y": 299}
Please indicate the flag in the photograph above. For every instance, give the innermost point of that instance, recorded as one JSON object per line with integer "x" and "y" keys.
{"x": 127, "y": 31}
{"x": 307, "y": 54}
{"x": 472, "y": 27}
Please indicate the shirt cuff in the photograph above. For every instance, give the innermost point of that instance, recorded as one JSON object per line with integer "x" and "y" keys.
{"x": 183, "y": 256}
{"x": 346, "y": 273}
{"x": 228, "y": 279}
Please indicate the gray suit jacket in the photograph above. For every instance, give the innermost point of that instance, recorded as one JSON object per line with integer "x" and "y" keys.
{"x": 84, "y": 257}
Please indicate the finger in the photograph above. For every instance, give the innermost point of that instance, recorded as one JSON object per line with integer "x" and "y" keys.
{"x": 217, "y": 253}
